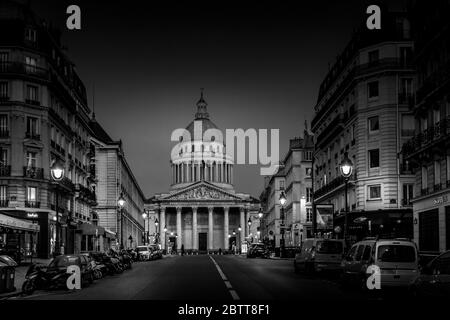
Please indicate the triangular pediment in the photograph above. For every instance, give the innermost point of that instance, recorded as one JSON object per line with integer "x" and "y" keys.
{"x": 201, "y": 191}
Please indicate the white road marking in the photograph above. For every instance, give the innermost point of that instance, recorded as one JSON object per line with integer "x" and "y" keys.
{"x": 233, "y": 292}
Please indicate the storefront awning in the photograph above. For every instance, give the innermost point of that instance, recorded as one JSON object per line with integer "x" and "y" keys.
{"x": 18, "y": 224}
{"x": 91, "y": 229}
{"x": 110, "y": 234}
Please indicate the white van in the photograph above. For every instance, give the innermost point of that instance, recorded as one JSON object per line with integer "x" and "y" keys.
{"x": 397, "y": 259}
{"x": 318, "y": 254}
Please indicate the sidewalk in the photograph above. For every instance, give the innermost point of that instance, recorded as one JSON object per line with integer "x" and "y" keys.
{"x": 19, "y": 278}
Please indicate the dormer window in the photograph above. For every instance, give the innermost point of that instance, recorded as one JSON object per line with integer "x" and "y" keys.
{"x": 30, "y": 34}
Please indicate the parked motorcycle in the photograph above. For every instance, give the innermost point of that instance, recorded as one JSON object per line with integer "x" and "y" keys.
{"x": 37, "y": 277}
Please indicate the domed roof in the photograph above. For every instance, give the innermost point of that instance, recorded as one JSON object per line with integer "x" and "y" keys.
{"x": 202, "y": 116}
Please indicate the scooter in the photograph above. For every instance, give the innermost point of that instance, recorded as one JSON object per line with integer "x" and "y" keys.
{"x": 38, "y": 278}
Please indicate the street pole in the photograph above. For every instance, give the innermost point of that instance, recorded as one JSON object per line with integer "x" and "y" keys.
{"x": 346, "y": 212}
{"x": 282, "y": 247}
{"x": 121, "y": 228}
{"x": 57, "y": 249}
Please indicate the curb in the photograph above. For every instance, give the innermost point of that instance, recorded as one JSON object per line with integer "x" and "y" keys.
{"x": 10, "y": 295}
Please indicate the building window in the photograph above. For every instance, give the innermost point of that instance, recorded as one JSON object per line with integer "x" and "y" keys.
{"x": 424, "y": 178}
{"x": 406, "y": 89}
{"x": 30, "y": 34}
{"x": 407, "y": 125}
{"x": 31, "y": 64}
{"x": 372, "y": 90}
{"x": 281, "y": 185}
{"x": 429, "y": 230}
{"x": 31, "y": 159}
{"x": 436, "y": 116}
{"x": 353, "y": 132}
{"x": 4, "y": 92}
{"x": 374, "y": 124}
{"x": 3, "y": 157}
{"x": 375, "y": 192}
{"x": 309, "y": 194}
{"x": 31, "y": 194}
{"x": 374, "y": 158}
{"x": 307, "y": 155}
{"x": 308, "y": 172}
{"x": 408, "y": 193}
{"x": 4, "y": 129}
{"x": 32, "y": 126}
{"x": 32, "y": 93}
{"x": 309, "y": 215}
{"x": 373, "y": 56}
{"x": 437, "y": 173}
{"x": 3, "y": 193}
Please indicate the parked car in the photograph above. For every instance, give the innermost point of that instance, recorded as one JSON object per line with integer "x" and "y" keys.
{"x": 318, "y": 254}
{"x": 258, "y": 250}
{"x": 63, "y": 261}
{"x": 396, "y": 258}
{"x": 143, "y": 252}
{"x": 155, "y": 252}
{"x": 434, "y": 280}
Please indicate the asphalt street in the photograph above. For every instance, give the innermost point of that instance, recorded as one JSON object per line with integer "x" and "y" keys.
{"x": 207, "y": 278}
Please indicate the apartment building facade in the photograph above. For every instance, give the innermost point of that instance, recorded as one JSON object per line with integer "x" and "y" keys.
{"x": 364, "y": 111}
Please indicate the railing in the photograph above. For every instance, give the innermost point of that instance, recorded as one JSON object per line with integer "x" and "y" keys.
{"x": 426, "y": 137}
{"x": 5, "y": 171}
{"x": 4, "y": 203}
{"x": 406, "y": 203}
{"x": 32, "y": 135}
{"x": 32, "y": 204}
{"x": 24, "y": 69}
{"x": 335, "y": 183}
{"x": 381, "y": 64}
{"x": 32, "y": 172}
{"x": 434, "y": 81}
{"x": 67, "y": 183}
{"x": 406, "y": 98}
{"x": 33, "y": 102}
{"x": 4, "y": 134}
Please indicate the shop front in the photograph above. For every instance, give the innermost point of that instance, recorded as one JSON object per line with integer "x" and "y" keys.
{"x": 18, "y": 238}
{"x": 94, "y": 238}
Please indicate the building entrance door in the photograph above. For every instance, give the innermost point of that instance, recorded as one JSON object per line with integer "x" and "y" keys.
{"x": 202, "y": 241}
{"x": 231, "y": 241}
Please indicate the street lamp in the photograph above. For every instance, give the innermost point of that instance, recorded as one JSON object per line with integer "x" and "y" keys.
{"x": 260, "y": 213}
{"x": 57, "y": 174}
{"x": 144, "y": 216}
{"x": 282, "y": 202}
{"x": 346, "y": 167}
{"x": 121, "y": 202}
{"x": 249, "y": 222}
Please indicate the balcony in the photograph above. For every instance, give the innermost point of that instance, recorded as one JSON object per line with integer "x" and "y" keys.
{"x": 32, "y": 204}
{"x": 407, "y": 99}
{"x": 23, "y": 69}
{"x": 329, "y": 187}
{"x": 67, "y": 183}
{"x": 434, "y": 82}
{"x": 4, "y": 203}
{"x": 34, "y": 173}
{"x": 4, "y": 134}
{"x": 331, "y": 130}
{"x": 427, "y": 138}
{"x": 85, "y": 193}
{"x": 32, "y": 135}
{"x": 352, "y": 75}
{"x": 33, "y": 102}
{"x": 5, "y": 171}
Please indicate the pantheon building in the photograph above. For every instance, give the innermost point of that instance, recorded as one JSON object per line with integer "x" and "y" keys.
{"x": 201, "y": 210}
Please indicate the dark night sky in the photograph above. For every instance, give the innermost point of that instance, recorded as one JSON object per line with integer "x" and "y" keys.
{"x": 260, "y": 64}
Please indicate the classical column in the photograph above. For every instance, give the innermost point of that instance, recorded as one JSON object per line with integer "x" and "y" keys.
{"x": 226, "y": 228}
{"x": 247, "y": 216}
{"x": 162, "y": 221}
{"x": 194, "y": 229}
{"x": 243, "y": 224}
{"x": 210, "y": 228}
{"x": 179, "y": 235}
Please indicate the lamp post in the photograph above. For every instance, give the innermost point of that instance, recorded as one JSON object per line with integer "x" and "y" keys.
{"x": 346, "y": 167}
{"x": 282, "y": 202}
{"x": 144, "y": 216}
{"x": 121, "y": 202}
{"x": 57, "y": 173}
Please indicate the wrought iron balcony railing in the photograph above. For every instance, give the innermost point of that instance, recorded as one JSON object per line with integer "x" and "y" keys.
{"x": 33, "y": 172}
{"x": 4, "y": 203}
{"x": 5, "y": 171}
{"x": 32, "y": 135}
{"x": 20, "y": 68}
{"x": 32, "y": 204}
{"x": 424, "y": 139}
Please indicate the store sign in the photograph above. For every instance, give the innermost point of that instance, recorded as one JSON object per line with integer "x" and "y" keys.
{"x": 32, "y": 215}
{"x": 440, "y": 200}
{"x": 17, "y": 223}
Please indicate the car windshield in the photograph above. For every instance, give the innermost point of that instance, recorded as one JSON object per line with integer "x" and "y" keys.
{"x": 329, "y": 247}
{"x": 140, "y": 249}
{"x": 64, "y": 261}
{"x": 396, "y": 253}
